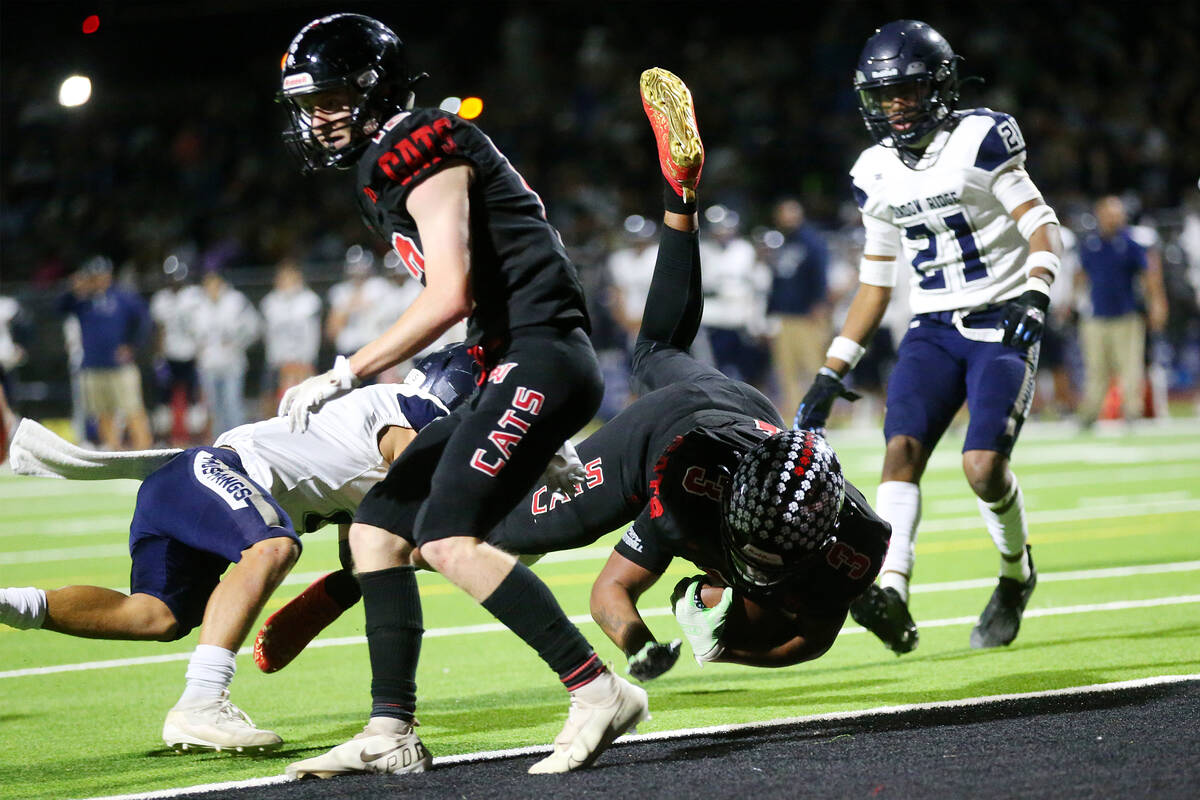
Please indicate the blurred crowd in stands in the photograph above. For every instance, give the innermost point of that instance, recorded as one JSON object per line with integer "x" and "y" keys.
{"x": 177, "y": 179}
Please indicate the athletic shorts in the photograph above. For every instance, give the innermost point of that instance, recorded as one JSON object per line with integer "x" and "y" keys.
{"x": 112, "y": 391}
{"x": 937, "y": 369}
{"x": 464, "y": 472}
{"x": 194, "y": 517}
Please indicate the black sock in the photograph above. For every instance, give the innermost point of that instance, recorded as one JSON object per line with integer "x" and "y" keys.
{"x": 343, "y": 588}
{"x": 524, "y": 604}
{"x": 675, "y": 302}
{"x": 673, "y": 202}
{"x": 394, "y": 629}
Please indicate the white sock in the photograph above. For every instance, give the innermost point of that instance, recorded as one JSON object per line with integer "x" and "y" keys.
{"x": 1005, "y": 521}
{"x": 209, "y": 673}
{"x": 899, "y": 503}
{"x": 23, "y": 608}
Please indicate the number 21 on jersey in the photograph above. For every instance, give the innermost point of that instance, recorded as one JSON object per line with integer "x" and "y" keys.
{"x": 933, "y": 279}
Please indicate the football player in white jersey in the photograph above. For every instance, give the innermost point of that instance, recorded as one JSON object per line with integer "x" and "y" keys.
{"x": 945, "y": 197}
{"x": 242, "y": 501}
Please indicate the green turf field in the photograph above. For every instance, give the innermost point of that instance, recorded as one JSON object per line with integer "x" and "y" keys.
{"x": 1110, "y": 500}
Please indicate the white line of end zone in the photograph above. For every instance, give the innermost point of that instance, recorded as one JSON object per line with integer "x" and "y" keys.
{"x": 581, "y": 619}
{"x": 659, "y": 736}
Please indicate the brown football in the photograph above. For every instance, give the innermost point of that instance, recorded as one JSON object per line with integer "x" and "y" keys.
{"x": 749, "y": 626}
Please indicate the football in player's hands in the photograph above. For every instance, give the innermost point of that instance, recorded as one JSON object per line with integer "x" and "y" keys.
{"x": 749, "y": 624}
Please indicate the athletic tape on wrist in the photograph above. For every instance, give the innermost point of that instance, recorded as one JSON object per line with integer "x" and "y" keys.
{"x": 1037, "y": 284}
{"x": 846, "y": 349}
{"x": 1044, "y": 259}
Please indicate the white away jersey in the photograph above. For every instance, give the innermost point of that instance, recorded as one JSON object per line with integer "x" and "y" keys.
{"x": 321, "y": 475}
{"x": 956, "y": 239}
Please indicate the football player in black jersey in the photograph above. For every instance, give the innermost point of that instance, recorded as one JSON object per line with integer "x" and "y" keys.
{"x": 701, "y": 468}
{"x": 467, "y": 225}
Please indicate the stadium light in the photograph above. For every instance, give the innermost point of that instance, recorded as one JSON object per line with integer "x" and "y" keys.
{"x": 471, "y": 108}
{"x": 451, "y": 105}
{"x": 75, "y": 91}
{"x": 91, "y": 24}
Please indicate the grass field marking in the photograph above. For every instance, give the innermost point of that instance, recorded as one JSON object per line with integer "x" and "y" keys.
{"x": 1066, "y": 515}
{"x": 714, "y": 730}
{"x": 937, "y": 525}
{"x": 65, "y": 554}
{"x": 21, "y": 488}
{"x": 71, "y": 525}
{"x": 582, "y": 619}
{"x": 1050, "y": 577}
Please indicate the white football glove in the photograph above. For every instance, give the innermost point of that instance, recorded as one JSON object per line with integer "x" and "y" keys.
{"x": 702, "y": 626}
{"x": 564, "y": 471}
{"x": 311, "y": 393}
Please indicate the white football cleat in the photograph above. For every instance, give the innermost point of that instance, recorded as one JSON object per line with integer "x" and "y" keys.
{"x": 385, "y": 745}
{"x": 600, "y": 712}
{"x": 215, "y": 724}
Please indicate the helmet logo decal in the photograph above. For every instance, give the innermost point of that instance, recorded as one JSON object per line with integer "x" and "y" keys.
{"x": 762, "y": 556}
{"x": 297, "y": 80}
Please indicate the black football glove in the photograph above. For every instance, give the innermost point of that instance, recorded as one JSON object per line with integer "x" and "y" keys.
{"x": 1025, "y": 319}
{"x": 814, "y": 408}
{"x": 654, "y": 659}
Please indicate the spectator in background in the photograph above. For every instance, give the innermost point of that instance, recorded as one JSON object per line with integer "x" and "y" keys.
{"x": 735, "y": 289}
{"x": 353, "y": 320}
{"x": 11, "y": 357}
{"x": 630, "y": 267}
{"x": 175, "y": 309}
{"x": 402, "y": 290}
{"x": 113, "y": 325}
{"x": 230, "y": 324}
{"x": 798, "y": 303}
{"x": 292, "y": 331}
{"x": 1113, "y": 337}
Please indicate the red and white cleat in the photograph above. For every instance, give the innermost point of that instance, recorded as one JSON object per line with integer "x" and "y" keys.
{"x": 288, "y": 631}
{"x": 668, "y": 105}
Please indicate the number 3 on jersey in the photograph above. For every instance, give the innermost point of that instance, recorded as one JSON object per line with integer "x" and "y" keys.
{"x": 410, "y": 255}
{"x": 972, "y": 263}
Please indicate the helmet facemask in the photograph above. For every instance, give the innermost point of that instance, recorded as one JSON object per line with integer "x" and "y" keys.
{"x": 317, "y": 146}
{"x": 931, "y": 101}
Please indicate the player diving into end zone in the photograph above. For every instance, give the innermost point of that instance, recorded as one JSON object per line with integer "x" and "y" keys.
{"x": 701, "y": 468}
{"x": 243, "y": 501}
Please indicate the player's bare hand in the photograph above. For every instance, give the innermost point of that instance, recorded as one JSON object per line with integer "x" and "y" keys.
{"x": 311, "y": 393}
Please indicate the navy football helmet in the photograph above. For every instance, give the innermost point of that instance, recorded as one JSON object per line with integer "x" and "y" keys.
{"x": 782, "y": 508}
{"x": 450, "y": 374}
{"x": 349, "y": 53}
{"x": 909, "y": 61}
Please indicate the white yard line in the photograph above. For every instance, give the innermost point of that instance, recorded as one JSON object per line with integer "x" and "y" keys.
{"x": 579, "y": 619}
{"x": 1132, "y": 506}
{"x": 717, "y": 730}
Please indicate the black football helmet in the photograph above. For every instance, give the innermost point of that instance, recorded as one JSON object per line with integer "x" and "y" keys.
{"x": 348, "y": 52}
{"x": 781, "y": 509}
{"x": 450, "y": 374}
{"x": 908, "y": 54}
